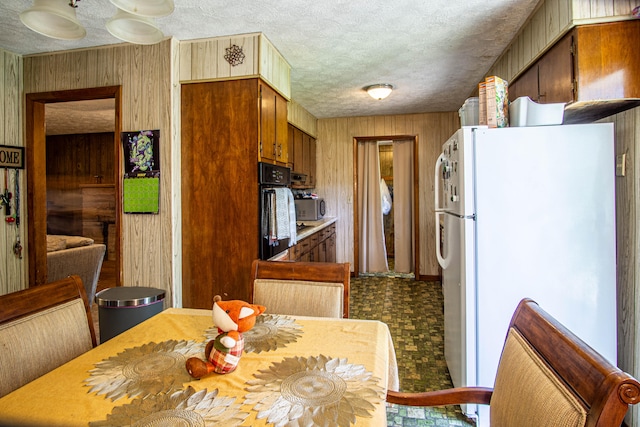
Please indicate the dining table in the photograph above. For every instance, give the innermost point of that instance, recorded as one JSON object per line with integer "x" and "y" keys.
{"x": 294, "y": 371}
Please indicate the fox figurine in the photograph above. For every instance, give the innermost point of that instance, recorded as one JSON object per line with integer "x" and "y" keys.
{"x": 223, "y": 353}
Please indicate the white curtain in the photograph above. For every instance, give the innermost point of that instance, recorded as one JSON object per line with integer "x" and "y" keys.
{"x": 372, "y": 250}
{"x": 403, "y": 205}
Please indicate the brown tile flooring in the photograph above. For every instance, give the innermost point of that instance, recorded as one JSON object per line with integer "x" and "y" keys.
{"x": 413, "y": 310}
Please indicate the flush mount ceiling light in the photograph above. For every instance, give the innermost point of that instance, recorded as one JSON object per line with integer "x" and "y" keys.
{"x": 133, "y": 21}
{"x": 54, "y": 18}
{"x": 379, "y": 91}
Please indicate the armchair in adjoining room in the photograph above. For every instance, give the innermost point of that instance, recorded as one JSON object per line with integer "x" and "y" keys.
{"x": 546, "y": 376}
{"x": 319, "y": 289}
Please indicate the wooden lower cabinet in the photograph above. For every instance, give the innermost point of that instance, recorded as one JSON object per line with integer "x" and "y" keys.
{"x": 319, "y": 247}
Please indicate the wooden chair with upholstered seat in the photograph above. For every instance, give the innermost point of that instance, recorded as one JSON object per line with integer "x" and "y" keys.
{"x": 547, "y": 377}
{"x": 41, "y": 328}
{"x": 319, "y": 289}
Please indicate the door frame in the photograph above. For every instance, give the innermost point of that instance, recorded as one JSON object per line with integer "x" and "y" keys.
{"x": 36, "y": 153}
{"x": 416, "y": 204}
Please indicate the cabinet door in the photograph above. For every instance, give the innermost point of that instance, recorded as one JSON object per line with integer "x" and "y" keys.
{"x": 525, "y": 85}
{"x": 311, "y": 172}
{"x": 322, "y": 251}
{"x": 608, "y": 64}
{"x": 267, "y": 123}
{"x": 555, "y": 70}
{"x": 281, "y": 130}
{"x": 290, "y": 137}
{"x": 298, "y": 151}
{"x": 331, "y": 248}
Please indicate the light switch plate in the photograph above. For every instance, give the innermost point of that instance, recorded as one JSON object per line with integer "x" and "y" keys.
{"x": 620, "y": 164}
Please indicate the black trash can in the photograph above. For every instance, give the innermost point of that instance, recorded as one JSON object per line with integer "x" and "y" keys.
{"x": 124, "y": 307}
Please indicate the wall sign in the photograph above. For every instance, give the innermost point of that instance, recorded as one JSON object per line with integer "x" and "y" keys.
{"x": 11, "y": 157}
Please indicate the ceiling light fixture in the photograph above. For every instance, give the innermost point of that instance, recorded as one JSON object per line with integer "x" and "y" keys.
{"x": 148, "y": 8}
{"x": 54, "y": 18}
{"x": 379, "y": 91}
{"x": 133, "y": 21}
{"x": 134, "y": 29}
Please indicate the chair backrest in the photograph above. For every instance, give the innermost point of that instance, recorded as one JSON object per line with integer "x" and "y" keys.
{"x": 41, "y": 328}
{"x": 548, "y": 376}
{"x": 318, "y": 289}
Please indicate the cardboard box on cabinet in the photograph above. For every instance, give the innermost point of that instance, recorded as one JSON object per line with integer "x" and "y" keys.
{"x": 497, "y": 92}
{"x": 482, "y": 103}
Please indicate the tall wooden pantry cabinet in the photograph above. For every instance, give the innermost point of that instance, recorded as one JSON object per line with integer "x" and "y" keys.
{"x": 224, "y": 124}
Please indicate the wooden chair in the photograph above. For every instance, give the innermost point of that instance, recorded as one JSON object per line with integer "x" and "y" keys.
{"x": 319, "y": 289}
{"x": 42, "y": 328}
{"x": 547, "y": 376}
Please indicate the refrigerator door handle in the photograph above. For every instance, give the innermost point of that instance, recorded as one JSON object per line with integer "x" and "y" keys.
{"x": 444, "y": 262}
{"x": 436, "y": 182}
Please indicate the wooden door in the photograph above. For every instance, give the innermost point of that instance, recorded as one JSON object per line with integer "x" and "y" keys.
{"x": 219, "y": 190}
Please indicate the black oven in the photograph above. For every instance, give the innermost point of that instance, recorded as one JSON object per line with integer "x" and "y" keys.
{"x": 270, "y": 177}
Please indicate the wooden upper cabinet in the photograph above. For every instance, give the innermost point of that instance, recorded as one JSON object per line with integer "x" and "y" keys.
{"x": 526, "y": 85}
{"x": 594, "y": 69}
{"x": 282, "y": 130}
{"x": 303, "y": 157}
{"x": 555, "y": 73}
{"x": 311, "y": 175}
{"x": 297, "y": 165}
{"x": 267, "y": 123}
{"x": 273, "y": 125}
{"x": 550, "y": 79}
{"x": 607, "y": 61}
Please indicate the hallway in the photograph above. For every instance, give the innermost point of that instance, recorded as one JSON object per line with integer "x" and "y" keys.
{"x": 413, "y": 310}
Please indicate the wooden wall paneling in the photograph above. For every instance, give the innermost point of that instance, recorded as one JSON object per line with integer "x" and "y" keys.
{"x": 274, "y": 69}
{"x": 175, "y": 167}
{"x": 14, "y": 276}
{"x": 627, "y": 140}
{"x": 203, "y": 59}
{"x": 335, "y": 171}
{"x": 298, "y": 116}
{"x": 144, "y": 73}
{"x": 538, "y": 31}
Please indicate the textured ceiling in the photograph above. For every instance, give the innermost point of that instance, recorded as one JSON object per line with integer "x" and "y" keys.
{"x": 433, "y": 52}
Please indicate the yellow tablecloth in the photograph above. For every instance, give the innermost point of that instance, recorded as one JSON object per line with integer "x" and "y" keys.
{"x": 62, "y": 397}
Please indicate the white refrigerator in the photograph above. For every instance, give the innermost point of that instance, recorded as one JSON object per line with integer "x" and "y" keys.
{"x": 525, "y": 212}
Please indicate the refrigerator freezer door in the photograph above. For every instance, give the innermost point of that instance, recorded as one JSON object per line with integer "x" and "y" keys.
{"x": 545, "y": 229}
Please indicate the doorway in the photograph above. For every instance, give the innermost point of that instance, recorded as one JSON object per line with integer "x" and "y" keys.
{"x": 385, "y": 205}
{"x": 40, "y": 220}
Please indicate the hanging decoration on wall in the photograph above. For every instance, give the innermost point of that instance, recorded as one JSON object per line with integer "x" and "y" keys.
{"x": 234, "y": 55}
{"x": 141, "y": 184}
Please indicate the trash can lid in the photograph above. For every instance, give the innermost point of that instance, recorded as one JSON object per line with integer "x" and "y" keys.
{"x": 129, "y": 296}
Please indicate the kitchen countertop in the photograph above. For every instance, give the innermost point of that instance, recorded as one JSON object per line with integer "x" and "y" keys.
{"x": 314, "y": 226}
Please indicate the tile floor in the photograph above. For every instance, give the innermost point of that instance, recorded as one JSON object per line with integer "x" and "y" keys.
{"x": 413, "y": 310}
